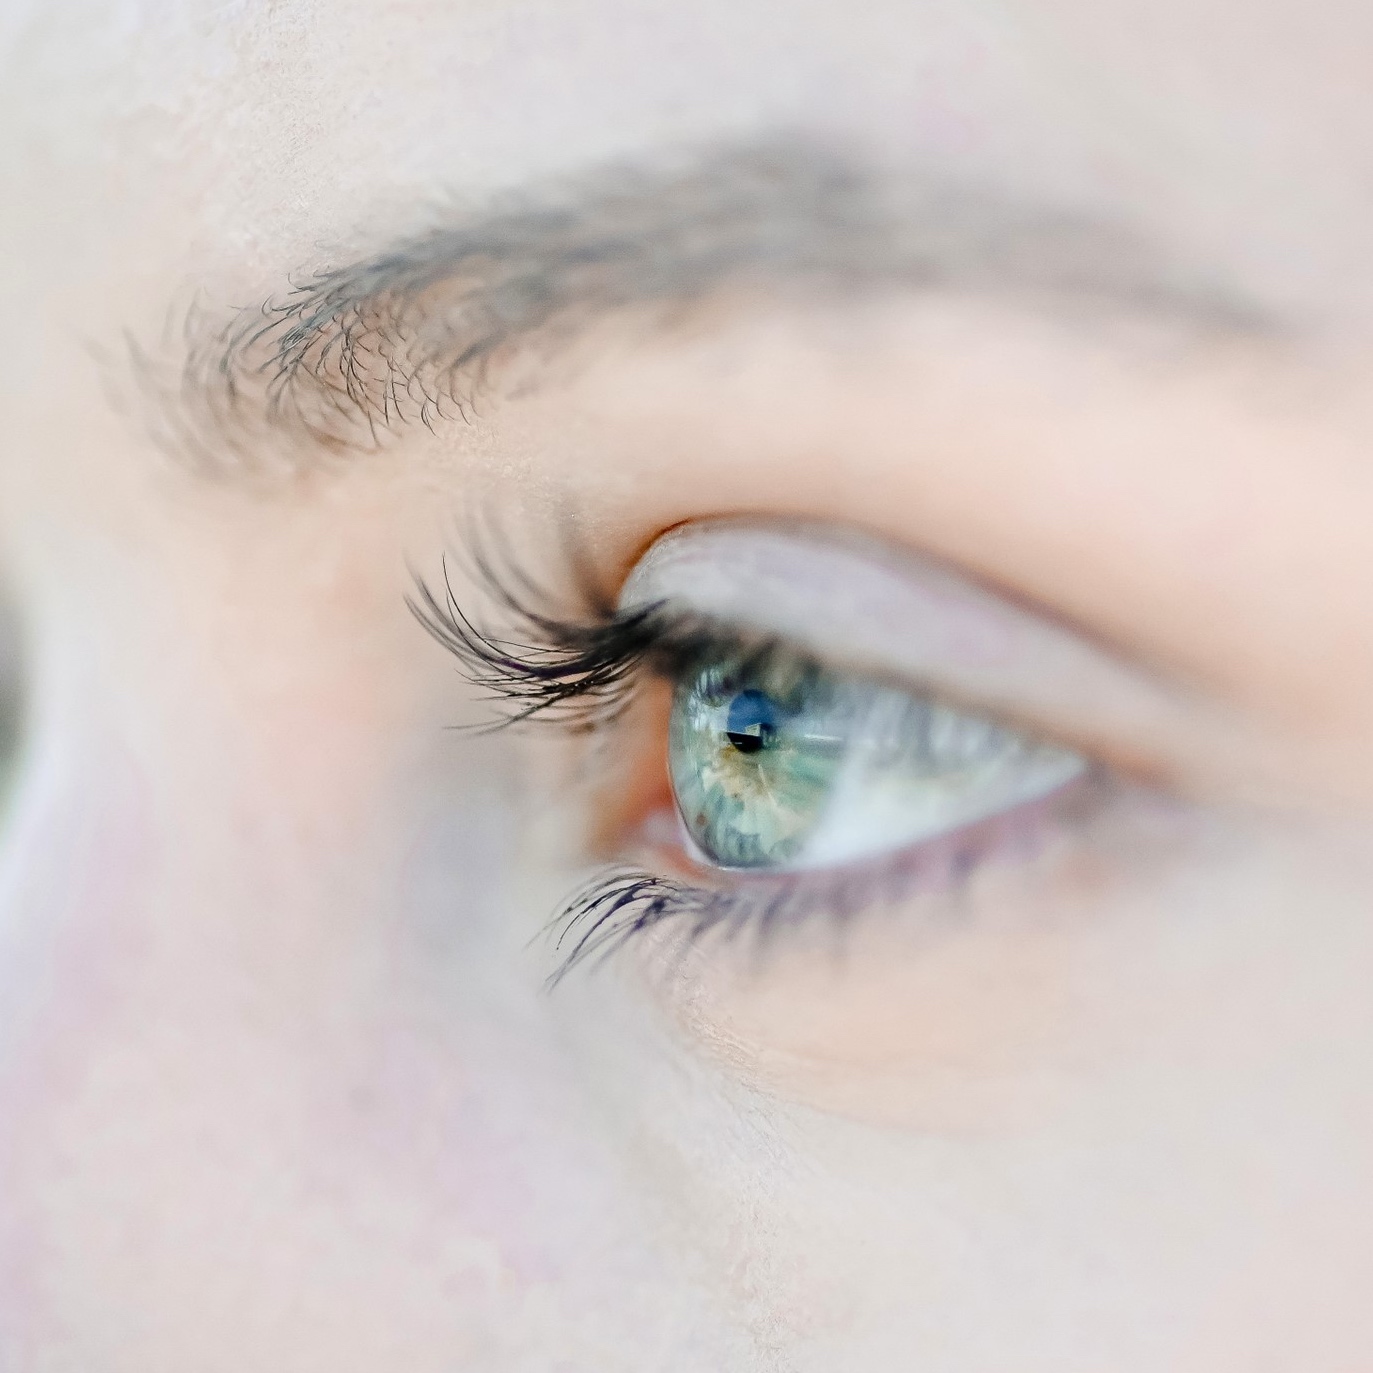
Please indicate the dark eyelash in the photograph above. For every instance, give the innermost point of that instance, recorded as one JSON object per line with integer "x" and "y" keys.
{"x": 575, "y": 661}
{"x": 622, "y": 903}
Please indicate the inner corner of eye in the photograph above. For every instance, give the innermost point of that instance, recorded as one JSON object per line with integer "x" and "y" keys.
{"x": 636, "y": 798}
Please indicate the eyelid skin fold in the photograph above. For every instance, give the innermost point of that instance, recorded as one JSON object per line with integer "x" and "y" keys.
{"x": 868, "y": 608}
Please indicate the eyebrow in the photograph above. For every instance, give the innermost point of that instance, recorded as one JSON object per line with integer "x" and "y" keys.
{"x": 414, "y": 332}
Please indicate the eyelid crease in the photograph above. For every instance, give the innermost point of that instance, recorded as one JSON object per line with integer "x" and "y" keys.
{"x": 862, "y": 606}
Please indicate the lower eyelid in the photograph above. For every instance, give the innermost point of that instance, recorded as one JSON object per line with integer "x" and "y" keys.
{"x": 702, "y": 900}
{"x": 942, "y": 861}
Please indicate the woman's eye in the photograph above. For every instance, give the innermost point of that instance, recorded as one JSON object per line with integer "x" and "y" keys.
{"x": 810, "y": 789}
{"x": 779, "y": 763}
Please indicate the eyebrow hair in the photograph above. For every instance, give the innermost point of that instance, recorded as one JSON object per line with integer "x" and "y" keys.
{"x": 414, "y": 332}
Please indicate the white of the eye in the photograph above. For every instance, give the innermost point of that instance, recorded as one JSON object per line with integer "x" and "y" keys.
{"x": 866, "y": 817}
{"x": 881, "y": 801}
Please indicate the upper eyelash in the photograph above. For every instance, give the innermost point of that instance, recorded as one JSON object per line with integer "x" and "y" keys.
{"x": 577, "y": 661}
{"x": 577, "y": 668}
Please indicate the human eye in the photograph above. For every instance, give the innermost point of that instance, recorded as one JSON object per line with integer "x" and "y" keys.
{"x": 831, "y": 726}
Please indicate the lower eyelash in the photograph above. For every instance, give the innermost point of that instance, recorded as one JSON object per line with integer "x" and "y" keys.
{"x": 621, "y": 903}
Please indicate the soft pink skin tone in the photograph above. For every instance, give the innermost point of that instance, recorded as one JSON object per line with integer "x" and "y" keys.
{"x": 279, "y": 1088}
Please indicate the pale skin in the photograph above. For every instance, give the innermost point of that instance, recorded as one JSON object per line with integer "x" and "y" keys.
{"x": 281, "y": 1084}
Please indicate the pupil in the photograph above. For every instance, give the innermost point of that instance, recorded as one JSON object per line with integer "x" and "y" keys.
{"x": 753, "y": 720}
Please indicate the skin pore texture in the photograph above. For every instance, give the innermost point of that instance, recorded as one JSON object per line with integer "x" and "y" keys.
{"x": 281, "y": 1083}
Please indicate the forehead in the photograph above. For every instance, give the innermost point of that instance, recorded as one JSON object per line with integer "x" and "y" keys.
{"x": 251, "y": 132}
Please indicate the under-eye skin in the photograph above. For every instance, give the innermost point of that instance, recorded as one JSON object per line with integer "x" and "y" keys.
{"x": 801, "y": 788}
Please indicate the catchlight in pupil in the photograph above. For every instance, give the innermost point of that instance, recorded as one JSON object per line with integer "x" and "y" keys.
{"x": 752, "y": 721}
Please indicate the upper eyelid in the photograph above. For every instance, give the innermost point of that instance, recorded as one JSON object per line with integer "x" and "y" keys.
{"x": 862, "y": 606}
{"x": 854, "y": 601}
